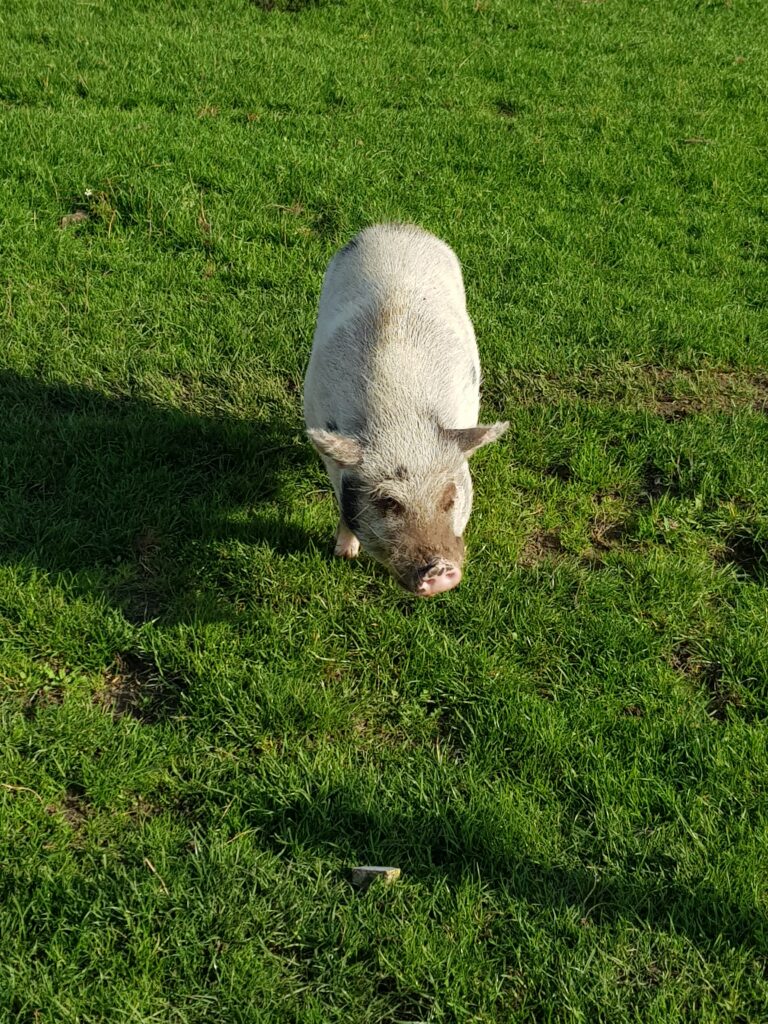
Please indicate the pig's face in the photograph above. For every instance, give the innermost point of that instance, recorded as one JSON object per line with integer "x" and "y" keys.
{"x": 408, "y": 525}
{"x": 409, "y": 514}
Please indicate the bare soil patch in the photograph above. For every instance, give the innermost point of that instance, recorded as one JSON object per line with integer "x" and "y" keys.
{"x": 709, "y": 675}
{"x": 747, "y": 554}
{"x": 73, "y": 808}
{"x": 135, "y": 687}
{"x": 542, "y": 545}
{"x": 670, "y": 394}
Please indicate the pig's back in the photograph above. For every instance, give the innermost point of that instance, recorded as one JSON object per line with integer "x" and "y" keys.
{"x": 393, "y": 333}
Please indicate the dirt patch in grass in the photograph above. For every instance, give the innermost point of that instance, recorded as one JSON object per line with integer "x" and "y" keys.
{"x": 72, "y": 808}
{"x": 92, "y": 207}
{"x": 403, "y": 1007}
{"x": 141, "y": 597}
{"x": 50, "y": 695}
{"x": 606, "y": 535}
{"x": 134, "y": 686}
{"x": 652, "y": 483}
{"x": 379, "y": 733}
{"x": 290, "y": 6}
{"x": 709, "y": 675}
{"x": 746, "y": 554}
{"x": 76, "y": 217}
{"x": 633, "y": 711}
{"x": 721, "y": 696}
{"x": 559, "y": 471}
{"x": 671, "y": 394}
{"x": 677, "y": 395}
{"x": 760, "y": 403}
{"x": 297, "y": 222}
{"x": 542, "y": 545}
{"x": 446, "y": 731}
{"x": 146, "y": 548}
{"x": 674, "y": 409}
{"x": 507, "y": 110}
{"x": 141, "y": 810}
{"x": 681, "y": 659}
{"x": 657, "y": 482}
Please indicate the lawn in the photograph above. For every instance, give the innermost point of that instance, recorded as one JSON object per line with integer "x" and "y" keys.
{"x": 206, "y": 720}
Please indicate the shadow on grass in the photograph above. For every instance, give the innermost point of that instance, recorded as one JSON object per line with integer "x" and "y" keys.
{"x": 126, "y": 497}
{"x": 456, "y": 842}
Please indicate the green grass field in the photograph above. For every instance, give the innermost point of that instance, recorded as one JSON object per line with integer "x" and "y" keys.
{"x": 206, "y": 720}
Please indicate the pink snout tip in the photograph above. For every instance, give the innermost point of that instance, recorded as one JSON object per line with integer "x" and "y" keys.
{"x": 447, "y": 580}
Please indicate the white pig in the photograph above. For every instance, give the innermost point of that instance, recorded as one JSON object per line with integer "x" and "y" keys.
{"x": 391, "y": 400}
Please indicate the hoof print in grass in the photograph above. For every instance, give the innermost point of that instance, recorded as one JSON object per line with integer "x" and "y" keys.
{"x": 363, "y": 876}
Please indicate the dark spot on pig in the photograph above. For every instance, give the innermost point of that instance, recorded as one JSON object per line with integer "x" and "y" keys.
{"x": 448, "y": 497}
{"x": 385, "y": 317}
{"x": 332, "y": 425}
{"x": 401, "y": 473}
{"x": 349, "y": 247}
{"x": 473, "y": 374}
{"x": 350, "y": 499}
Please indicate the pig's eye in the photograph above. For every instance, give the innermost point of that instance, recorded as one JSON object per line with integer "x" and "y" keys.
{"x": 389, "y": 506}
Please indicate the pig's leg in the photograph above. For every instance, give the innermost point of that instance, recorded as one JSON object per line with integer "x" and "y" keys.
{"x": 347, "y": 544}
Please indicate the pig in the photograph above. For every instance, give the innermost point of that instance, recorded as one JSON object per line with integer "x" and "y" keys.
{"x": 391, "y": 402}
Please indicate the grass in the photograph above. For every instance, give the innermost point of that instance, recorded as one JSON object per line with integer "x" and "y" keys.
{"x": 207, "y": 721}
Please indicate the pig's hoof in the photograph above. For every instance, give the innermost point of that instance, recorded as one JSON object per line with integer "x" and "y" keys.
{"x": 347, "y": 548}
{"x": 347, "y": 544}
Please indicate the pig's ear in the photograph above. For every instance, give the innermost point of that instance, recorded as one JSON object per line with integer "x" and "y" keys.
{"x": 472, "y": 438}
{"x": 345, "y": 451}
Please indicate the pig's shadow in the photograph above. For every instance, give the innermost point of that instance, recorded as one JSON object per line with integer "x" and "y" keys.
{"x": 126, "y": 498}
{"x": 455, "y": 841}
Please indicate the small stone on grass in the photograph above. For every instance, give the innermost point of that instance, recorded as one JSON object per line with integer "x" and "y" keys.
{"x": 363, "y": 876}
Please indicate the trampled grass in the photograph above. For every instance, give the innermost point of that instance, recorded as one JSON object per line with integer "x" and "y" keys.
{"x": 206, "y": 721}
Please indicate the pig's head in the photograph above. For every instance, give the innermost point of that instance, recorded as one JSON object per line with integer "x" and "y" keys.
{"x": 409, "y": 512}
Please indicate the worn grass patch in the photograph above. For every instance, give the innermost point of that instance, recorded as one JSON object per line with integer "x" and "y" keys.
{"x": 206, "y": 721}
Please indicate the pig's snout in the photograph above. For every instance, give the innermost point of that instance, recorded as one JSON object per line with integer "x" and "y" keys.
{"x": 435, "y": 578}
